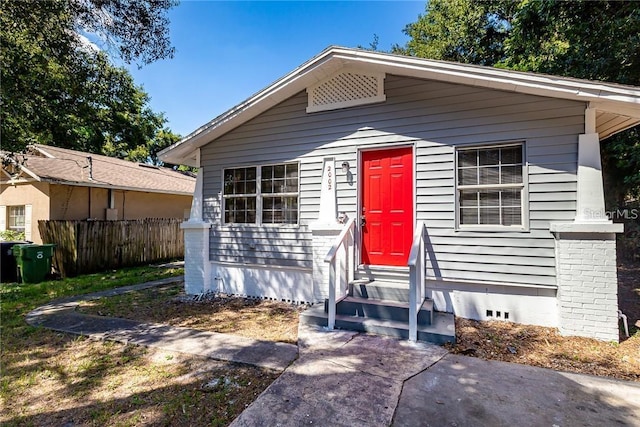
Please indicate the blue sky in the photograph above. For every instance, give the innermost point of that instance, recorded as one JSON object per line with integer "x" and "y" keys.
{"x": 227, "y": 51}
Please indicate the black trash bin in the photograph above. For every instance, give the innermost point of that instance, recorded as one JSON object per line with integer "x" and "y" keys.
{"x": 8, "y": 265}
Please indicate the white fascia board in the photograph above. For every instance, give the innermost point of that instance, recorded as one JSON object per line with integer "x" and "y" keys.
{"x": 497, "y": 78}
{"x": 17, "y": 181}
{"x": 261, "y": 101}
{"x": 31, "y": 174}
{"x": 23, "y": 169}
{"x": 43, "y": 152}
{"x": 624, "y": 99}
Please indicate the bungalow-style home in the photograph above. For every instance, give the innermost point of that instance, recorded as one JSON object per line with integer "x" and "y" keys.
{"x": 364, "y": 177}
{"x": 51, "y": 183}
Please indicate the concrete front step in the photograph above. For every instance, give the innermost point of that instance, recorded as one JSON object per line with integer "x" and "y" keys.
{"x": 440, "y": 331}
{"x": 383, "y": 310}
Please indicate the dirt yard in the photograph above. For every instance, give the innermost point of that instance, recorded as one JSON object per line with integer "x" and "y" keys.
{"x": 495, "y": 340}
{"x": 252, "y": 318}
{"x": 544, "y": 347}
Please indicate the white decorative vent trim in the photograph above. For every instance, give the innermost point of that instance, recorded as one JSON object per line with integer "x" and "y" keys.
{"x": 348, "y": 88}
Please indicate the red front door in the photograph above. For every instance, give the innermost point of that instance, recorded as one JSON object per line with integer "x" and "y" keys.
{"x": 387, "y": 206}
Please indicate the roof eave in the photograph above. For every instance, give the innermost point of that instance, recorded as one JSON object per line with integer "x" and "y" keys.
{"x": 622, "y": 100}
{"x": 116, "y": 187}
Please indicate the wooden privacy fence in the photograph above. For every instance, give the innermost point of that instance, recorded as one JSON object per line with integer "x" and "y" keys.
{"x": 92, "y": 246}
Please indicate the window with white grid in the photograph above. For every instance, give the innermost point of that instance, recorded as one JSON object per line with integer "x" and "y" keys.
{"x": 16, "y": 218}
{"x": 490, "y": 186}
{"x": 261, "y": 194}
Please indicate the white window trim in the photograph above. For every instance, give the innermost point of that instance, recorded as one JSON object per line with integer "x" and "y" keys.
{"x": 524, "y": 199}
{"x": 28, "y": 211}
{"x": 23, "y": 228}
{"x": 3, "y": 218}
{"x": 259, "y": 196}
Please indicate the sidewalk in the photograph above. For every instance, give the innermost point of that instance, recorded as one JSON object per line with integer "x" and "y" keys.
{"x": 62, "y": 316}
{"x": 346, "y": 378}
{"x": 340, "y": 379}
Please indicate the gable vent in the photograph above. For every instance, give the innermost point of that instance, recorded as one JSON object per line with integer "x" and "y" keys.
{"x": 346, "y": 89}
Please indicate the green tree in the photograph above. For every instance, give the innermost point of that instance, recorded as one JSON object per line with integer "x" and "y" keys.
{"x": 460, "y": 30}
{"x": 60, "y": 89}
{"x": 598, "y": 40}
{"x": 144, "y": 153}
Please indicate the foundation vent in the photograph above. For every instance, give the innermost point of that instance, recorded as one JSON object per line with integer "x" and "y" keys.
{"x": 346, "y": 89}
{"x": 497, "y": 314}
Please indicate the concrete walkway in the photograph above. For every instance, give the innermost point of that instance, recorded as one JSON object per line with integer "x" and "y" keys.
{"x": 349, "y": 379}
{"x": 340, "y": 379}
{"x": 345, "y": 378}
{"x": 62, "y": 316}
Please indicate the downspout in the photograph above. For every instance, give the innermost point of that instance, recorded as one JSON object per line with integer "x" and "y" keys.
{"x": 90, "y": 160}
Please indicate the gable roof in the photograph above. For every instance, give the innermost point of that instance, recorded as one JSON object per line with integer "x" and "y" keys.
{"x": 617, "y": 106}
{"x": 70, "y": 167}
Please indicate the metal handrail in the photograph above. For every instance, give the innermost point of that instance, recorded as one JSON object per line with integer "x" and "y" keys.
{"x": 416, "y": 265}
{"x": 342, "y": 271}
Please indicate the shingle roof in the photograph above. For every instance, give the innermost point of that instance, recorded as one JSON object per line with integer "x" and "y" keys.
{"x": 60, "y": 165}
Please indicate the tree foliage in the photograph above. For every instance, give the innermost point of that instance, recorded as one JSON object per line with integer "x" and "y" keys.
{"x": 60, "y": 89}
{"x": 598, "y": 40}
{"x": 144, "y": 153}
{"x": 461, "y": 31}
{"x": 137, "y": 29}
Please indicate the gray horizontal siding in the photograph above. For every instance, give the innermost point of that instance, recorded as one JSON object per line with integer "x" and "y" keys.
{"x": 435, "y": 117}
{"x": 268, "y": 245}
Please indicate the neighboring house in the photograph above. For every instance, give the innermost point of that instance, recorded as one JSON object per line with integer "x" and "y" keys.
{"x": 58, "y": 184}
{"x": 497, "y": 172}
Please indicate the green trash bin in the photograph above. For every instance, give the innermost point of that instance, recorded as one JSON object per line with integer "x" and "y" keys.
{"x": 34, "y": 261}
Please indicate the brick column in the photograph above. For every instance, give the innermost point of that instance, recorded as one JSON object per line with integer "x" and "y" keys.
{"x": 197, "y": 268}
{"x": 323, "y": 237}
{"x": 587, "y": 279}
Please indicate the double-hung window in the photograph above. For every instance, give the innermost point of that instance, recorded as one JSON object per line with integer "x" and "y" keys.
{"x": 240, "y": 195}
{"x": 490, "y": 186}
{"x": 16, "y": 217}
{"x": 261, "y": 194}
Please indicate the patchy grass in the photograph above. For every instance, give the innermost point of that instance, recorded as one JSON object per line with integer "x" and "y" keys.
{"x": 252, "y": 318}
{"x": 49, "y": 378}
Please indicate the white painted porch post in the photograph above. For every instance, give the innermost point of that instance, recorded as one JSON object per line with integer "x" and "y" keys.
{"x": 413, "y": 302}
{"x": 331, "y": 314}
{"x": 586, "y": 251}
{"x": 324, "y": 230}
{"x": 197, "y": 268}
{"x": 328, "y": 211}
{"x": 590, "y": 192}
